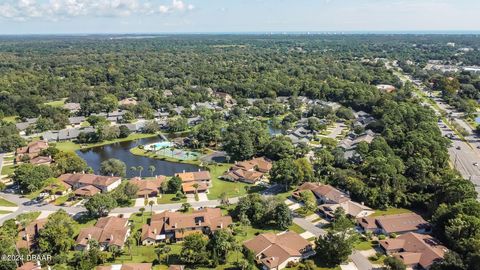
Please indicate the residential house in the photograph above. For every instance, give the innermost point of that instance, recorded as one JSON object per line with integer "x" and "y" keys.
{"x": 28, "y": 235}
{"x": 108, "y": 231}
{"x": 58, "y": 188}
{"x": 148, "y": 188}
{"x": 77, "y": 121}
{"x": 128, "y": 102}
{"x": 226, "y": 98}
{"x": 386, "y": 88}
{"x": 249, "y": 171}
{"x": 73, "y": 108}
{"x": 330, "y": 199}
{"x": 23, "y": 126}
{"x": 275, "y": 251}
{"x": 30, "y": 266}
{"x": 41, "y": 160}
{"x": 398, "y": 224}
{"x": 417, "y": 251}
{"x": 195, "y": 181}
{"x": 177, "y": 225}
{"x": 127, "y": 266}
{"x": 90, "y": 183}
{"x": 32, "y": 150}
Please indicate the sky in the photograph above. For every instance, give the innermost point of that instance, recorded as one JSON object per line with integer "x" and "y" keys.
{"x": 211, "y": 16}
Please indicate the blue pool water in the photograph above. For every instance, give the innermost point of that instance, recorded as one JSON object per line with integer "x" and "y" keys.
{"x": 160, "y": 145}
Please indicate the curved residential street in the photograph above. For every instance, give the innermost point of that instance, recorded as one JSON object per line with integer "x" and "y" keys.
{"x": 21, "y": 208}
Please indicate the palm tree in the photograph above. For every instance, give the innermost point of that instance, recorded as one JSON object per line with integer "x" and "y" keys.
{"x": 224, "y": 199}
{"x": 128, "y": 244}
{"x": 195, "y": 186}
{"x": 167, "y": 250}
{"x": 140, "y": 169}
{"x": 151, "y": 206}
{"x": 133, "y": 169}
{"x": 138, "y": 237}
{"x": 151, "y": 169}
{"x": 141, "y": 212}
{"x": 115, "y": 251}
{"x": 185, "y": 207}
{"x": 172, "y": 149}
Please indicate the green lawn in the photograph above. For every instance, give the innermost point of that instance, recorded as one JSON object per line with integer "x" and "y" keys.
{"x": 10, "y": 119}
{"x": 8, "y": 170}
{"x": 390, "y": 211}
{"x": 3, "y": 212}
{"x": 69, "y": 146}
{"x": 364, "y": 245}
{"x": 295, "y": 228}
{"x": 232, "y": 189}
{"x": 169, "y": 198}
{"x": 6, "y": 203}
{"x": 56, "y": 103}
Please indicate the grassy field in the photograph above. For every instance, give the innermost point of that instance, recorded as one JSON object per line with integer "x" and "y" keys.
{"x": 3, "y": 212}
{"x": 10, "y": 119}
{"x": 8, "y": 170}
{"x": 232, "y": 189}
{"x": 390, "y": 211}
{"x": 169, "y": 198}
{"x": 6, "y": 203}
{"x": 364, "y": 245}
{"x": 69, "y": 146}
{"x": 56, "y": 103}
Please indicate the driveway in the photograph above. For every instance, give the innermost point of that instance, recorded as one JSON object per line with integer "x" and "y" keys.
{"x": 360, "y": 261}
{"x": 308, "y": 226}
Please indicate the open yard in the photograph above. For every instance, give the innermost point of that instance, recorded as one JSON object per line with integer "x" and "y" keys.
{"x": 6, "y": 203}
{"x": 391, "y": 211}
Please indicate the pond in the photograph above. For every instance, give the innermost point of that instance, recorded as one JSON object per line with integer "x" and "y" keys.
{"x": 477, "y": 120}
{"x": 95, "y": 156}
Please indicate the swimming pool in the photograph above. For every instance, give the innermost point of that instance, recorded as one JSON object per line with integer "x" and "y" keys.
{"x": 159, "y": 145}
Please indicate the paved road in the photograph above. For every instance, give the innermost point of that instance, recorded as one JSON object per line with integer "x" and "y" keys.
{"x": 22, "y": 208}
{"x": 308, "y": 226}
{"x": 360, "y": 261}
{"x": 464, "y": 155}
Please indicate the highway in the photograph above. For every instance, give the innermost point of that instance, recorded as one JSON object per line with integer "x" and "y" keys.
{"x": 464, "y": 154}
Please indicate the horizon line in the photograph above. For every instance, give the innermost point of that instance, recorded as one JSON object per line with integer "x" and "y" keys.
{"x": 279, "y": 32}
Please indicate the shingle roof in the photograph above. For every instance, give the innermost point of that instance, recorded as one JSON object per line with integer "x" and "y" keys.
{"x": 277, "y": 248}
{"x": 88, "y": 179}
{"x": 110, "y": 230}
{"x": 414, "y": 248}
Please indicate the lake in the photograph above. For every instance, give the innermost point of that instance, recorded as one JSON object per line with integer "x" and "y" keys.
{"x": 95, "y": 156}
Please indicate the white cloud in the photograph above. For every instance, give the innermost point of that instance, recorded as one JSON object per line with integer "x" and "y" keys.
{"x": 23, "y": 10}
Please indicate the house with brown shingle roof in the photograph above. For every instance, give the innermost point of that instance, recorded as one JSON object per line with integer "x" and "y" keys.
{"x": 86, "y": 181}
{"x": 27, "y": 236}
{"x": 189, "y": 179}
{"x": 415, "y": 250}
{"x": 32, "y": 150}
{"x": 330, "y": 199}
{"x": 248, "y": 171}
{"x": 323, "y": 193}
{"x": 41, "y": 160}
{"x": 107, "y": 231}
{"x": 177, "y": 225}
{"x": 275, "y": 251}
{"x": 398, "y": 224}
{"x": 146, "y": 187}
{"x": 127, "y": 266}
